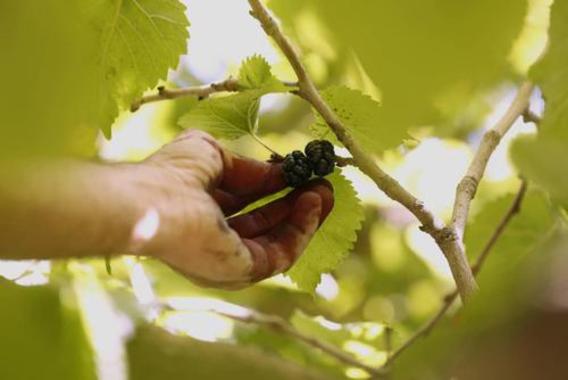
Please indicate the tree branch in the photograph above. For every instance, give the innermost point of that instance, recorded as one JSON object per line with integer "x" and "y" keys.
{"x": 467, "y": 187}
{"x": 446, "y": 238}
{"x": 513, "y": 210}
{"x": 308, "y": 91}
{"x": 280, "y": 325}
{"x": 202, "y": 92}
{"x": 273, "y": 322}
{"x": 156, "y": 354}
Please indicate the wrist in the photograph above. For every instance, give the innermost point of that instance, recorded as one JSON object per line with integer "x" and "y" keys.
{"x": 75, "y": 208}
{"x": 158, "y": 194}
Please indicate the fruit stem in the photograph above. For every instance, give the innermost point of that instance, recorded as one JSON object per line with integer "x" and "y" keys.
{"x": 344, "y": 161}
{"x": 275, "y": 155}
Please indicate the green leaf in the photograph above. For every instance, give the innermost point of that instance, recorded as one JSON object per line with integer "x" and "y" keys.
{"x": 528, "y": 228}
{"x": 420, "y": 54}
{"x": 510, "y": 285}
{"x": 362, "y": 116}
{"x": 233, "y": 116}
{"x": 41, "y": 337}
{"x": 154, "y": 354}
{"x": 551, "y": 73}
{"x": 95, "y": 57}
{"x": 228, "y": 117}
{"x": 335, "y": 238}
{"x": 541, "y": 158}
{"x": 48, "y": 107}
{"x": 255, "y": 73}
{"x": 139, "y": 40}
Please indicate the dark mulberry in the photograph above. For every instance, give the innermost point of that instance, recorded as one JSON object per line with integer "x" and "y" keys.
{"x": 321, "y": 157}
{"x": 297, "y": 169}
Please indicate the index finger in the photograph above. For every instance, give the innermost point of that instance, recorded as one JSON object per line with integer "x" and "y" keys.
{"x": 251, "y": 178}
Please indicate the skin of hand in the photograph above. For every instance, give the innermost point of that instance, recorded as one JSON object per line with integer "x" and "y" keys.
{"x": 192, "y": 226}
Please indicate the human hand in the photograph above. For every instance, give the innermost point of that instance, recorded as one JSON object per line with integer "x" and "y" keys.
{"x": 200, "y": 184}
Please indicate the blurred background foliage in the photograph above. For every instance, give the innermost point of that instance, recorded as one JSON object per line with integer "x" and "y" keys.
{"x": 443, "y": 72}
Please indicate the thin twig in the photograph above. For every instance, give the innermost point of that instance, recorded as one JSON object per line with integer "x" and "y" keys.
{"x": 445, "y": 237}
{"x": 308, "y": 91}
{"x": 201, "y": 92}
{"x": 273, "y": 322}
{"x": 25, "y": 273}
{"x": 265, "y": 146}
{"x": 388, "y": 339}
{"x": 280, "y": 325}
{"x": 513, "y": 210}
{"x": 467, "y": 188}
{"x": 344, "y": 161}
{"x": 468, "y": 185}
{"x": 108, "y": 265}
{"x": 424, "y": 330}
{"x": 531, "y": 117}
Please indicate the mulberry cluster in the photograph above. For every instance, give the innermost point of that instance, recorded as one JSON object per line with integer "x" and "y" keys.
{"x": 297, "y": 169}
{"x": 319, "y": 158}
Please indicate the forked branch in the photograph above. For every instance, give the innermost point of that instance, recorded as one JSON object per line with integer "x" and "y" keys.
{"x": 280, "y": 325}
{"x": 468, "y": 185}
{"x": 445, "y": 237}
{"x": 513, "y": 210}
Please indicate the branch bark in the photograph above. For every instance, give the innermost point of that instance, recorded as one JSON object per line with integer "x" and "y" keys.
{"x": 453, "y": 246}
{"x": 467, "y": 187}
{"x": 531, "y": 117}
{"x": 280, "y": 325}
{"x": 445, "y": 237}
{"x": 202, "y": 92}
{"x": 449, "y": 299}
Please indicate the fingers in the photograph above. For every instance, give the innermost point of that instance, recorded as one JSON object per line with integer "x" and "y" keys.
{"x": 261, "y": 220}
{"x": 236, "y": 253}
{"x": 278, "y": 248}
{"x": 193, "y": 156}
{"x": 243, "y": 178}
{"x": 250, "y": 247}
{"x": 245, "y": 181}
{"x": 247, "y": 177}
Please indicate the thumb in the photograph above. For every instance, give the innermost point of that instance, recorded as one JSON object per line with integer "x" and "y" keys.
{"x": 194, "y": 156}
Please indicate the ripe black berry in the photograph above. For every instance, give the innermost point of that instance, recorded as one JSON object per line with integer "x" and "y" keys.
{"x": 321, "y": 156}
{"x": 297, "y": 169}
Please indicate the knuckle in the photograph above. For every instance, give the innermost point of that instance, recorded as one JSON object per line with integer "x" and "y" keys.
{"x": 194, "y": 134}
